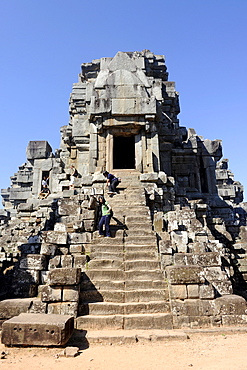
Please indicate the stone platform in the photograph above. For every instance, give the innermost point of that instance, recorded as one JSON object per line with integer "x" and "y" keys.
{"x": 37, "y": 330}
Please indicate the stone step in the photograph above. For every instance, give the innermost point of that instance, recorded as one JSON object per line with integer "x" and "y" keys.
{"x": 145, "y": 284}
{"x": 105, "y": 264}
{"x": 141, "y": 265}
{"x": 107, "y": 255}
{"x": 102, "y": 295}
{"x": 98, "y": 274}
{"x": 107, "y": 308}
{"x": 140, "y": 232}
{"x": 140, "y": 295}
{"x": 140, "y": 240}
{"x": 139, "y": 225}
{"x": 105, "y": 240}
{"x": 146, "y": 295}
{"x": 140, "y": 255}
{"x": 141, "y": 218}
{"x": 98, "y": 248}
{"x": 123, "y": 212}
{"x": 127, "y": 322}
{"x": 102, "y": 285}
{"x": 142, "y": 247}
{"x": 143, "y": 275}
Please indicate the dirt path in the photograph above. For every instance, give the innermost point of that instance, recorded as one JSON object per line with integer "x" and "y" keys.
{"x": 228, "y": 352}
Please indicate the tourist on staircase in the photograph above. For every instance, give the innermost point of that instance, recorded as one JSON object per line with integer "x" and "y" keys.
{"x": 106, "y": 212}
{"x": 112, "y": 182}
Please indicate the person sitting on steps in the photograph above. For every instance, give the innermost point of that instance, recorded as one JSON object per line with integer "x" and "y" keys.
{"x": 106, "y": 212}
{"x": 112, "y": 182}
{"x": 44, "y": 192}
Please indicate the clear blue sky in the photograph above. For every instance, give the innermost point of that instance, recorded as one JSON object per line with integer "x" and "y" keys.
{"x": 43, "y": 44}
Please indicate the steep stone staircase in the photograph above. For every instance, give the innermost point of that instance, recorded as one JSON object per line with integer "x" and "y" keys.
{"x": 123, "y": 286}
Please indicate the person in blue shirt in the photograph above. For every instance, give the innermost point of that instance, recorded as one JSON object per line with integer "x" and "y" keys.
{"x": 112, "y": 182}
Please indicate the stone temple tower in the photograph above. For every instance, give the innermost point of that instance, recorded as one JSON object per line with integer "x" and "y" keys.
{"x": 179, "y": 226}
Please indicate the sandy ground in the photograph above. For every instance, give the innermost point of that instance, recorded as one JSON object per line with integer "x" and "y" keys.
{"x": 228, "y": 352}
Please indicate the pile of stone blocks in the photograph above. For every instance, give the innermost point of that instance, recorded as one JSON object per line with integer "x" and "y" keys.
{"x": 61, "y": 293}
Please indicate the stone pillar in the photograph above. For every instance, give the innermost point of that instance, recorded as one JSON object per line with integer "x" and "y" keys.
{"x": 109, "y": 152}
{"x": 93, "y": 148}
{"x": 138, "y": 152}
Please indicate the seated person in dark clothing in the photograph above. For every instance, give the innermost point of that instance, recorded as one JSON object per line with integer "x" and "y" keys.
{"x": 44, "y": 192}
{"x": 112, "y": 182}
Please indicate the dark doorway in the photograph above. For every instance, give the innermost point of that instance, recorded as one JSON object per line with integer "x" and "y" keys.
{"x": 124, "y": 152}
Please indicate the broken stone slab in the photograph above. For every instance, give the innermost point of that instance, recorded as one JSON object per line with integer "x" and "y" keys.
{"x": 64, "y": 276}
{"x": 37, "y": 330}
{"x": 13, "y": 307}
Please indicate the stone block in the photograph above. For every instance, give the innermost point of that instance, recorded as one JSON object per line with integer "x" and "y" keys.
{"x": 88, "y": 214}
{"x": 178, "y": 292}
{"x": 166, "y": 260}
{"x": 59, "y": 227}
{"x": 207, "y": 259}
{"x": 180, "y": 240}
{"x": 71, "y": 293}
{"x": 74, "y": 249}
{"x": 38, "y": 306}
{"x": 43, "y": 277}
{"x": 185, "y": 274}
{"x": 80, "y": 261}
{"x": 63, "y": 308}
{"x": 192, "y": 322}
{"x": 230, "y": 305}
{"x": 163, "y": 177}
{"x": 67, "y": 261}
{"x": 68, "y": 207}
{"x": 158, "y": 222}
{"x": 64, "y": 276}
{"x": 183, "y": 259}
{"x": 55, "y": 237}
{"x": 33, "y": 262}
{"x": 165, "y": 247}
{"x": 234, "y": 320}
{"x": 27, "y": 277}
{"x": 89, "y": 225}
{"x": 193, "y": 291}
{"x": 38, "y": 149}
{"x": 207, "y": 307}
{"x": 51, "y": 294}
{"x": 13, "y": 307}
{"x": 189, "y": 307}
{"x": 48, "y": 249}
{"x": 54, "y": 262}
{"x": 223, "y": 287}
{"x": 37, "y": 329}
{"x": 213, "y": 274}
{"x": 149, "y": 177}
{"x": 80, "y": 238}
{"x": 206, "y": 291}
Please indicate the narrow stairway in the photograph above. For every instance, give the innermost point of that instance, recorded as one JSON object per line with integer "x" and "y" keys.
{"x": 124, "y": 287}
